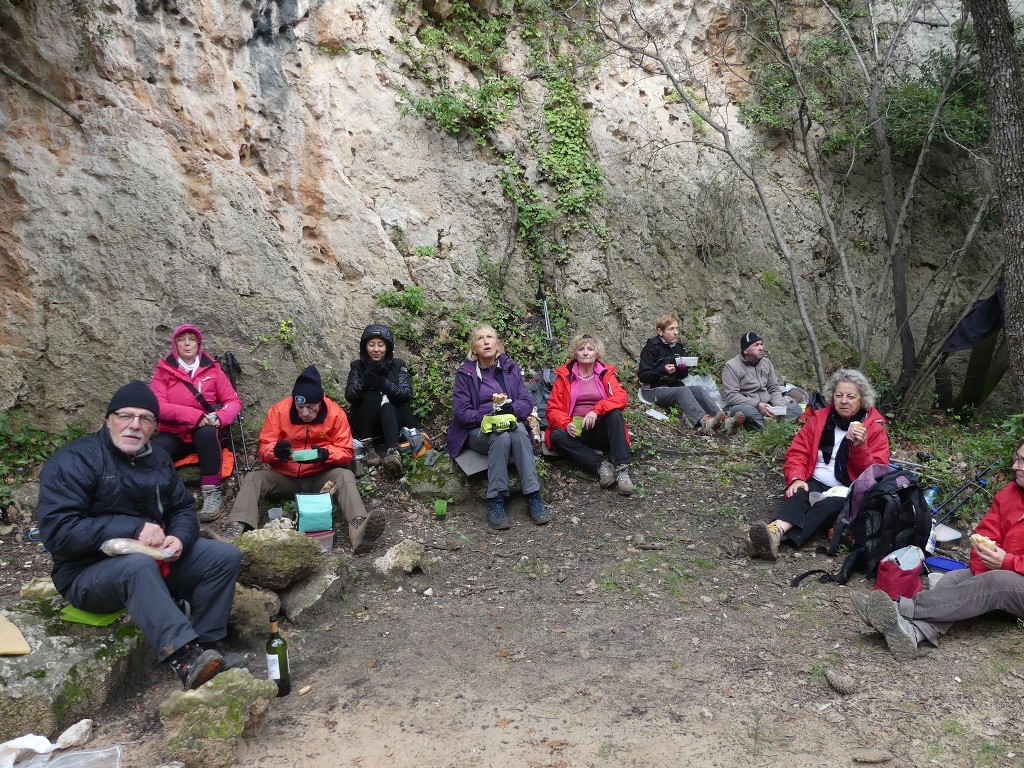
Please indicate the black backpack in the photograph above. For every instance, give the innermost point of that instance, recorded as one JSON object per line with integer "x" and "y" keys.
{"x": 891, "y": 514}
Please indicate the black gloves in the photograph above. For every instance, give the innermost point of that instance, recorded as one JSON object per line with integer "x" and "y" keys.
{"x": 504, "y": 408}
{"x": 321, "y": 454}
{"x": 283, "y": 450}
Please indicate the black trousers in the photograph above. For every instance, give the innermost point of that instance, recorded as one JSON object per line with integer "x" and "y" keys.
{"x": 586, "y": 450}
{"x": 371, "y": 418}
{"x": 808, "y": 520}
{"x": 206, "y": 444}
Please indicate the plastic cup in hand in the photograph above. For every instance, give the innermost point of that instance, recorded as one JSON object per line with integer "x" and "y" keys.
{"x": 577, "y": 421}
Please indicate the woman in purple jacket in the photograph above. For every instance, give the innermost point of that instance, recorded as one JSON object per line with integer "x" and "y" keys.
{"x": 491, "y": 404}
{"x": 197, "y": 401}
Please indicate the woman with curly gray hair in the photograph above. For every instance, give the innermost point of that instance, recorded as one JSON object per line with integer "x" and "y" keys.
{"x": 832, "y": 448}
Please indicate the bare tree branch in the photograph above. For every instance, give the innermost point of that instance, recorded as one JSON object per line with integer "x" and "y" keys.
{"x": 41, "y": 92}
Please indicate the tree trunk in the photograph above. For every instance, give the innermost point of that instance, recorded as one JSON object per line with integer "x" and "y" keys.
{"x": 1000, "y": 65}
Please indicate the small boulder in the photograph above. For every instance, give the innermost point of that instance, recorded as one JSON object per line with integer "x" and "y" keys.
{"x": 273, "y": 559}
{"x": 39, "y": 590}
{"x": 24, "y": 500}
{"x": 405, "y": 557}
{"x": 303, "y": 595}
{"x": 202, "y": 727}
{"x": 249, "y": 611}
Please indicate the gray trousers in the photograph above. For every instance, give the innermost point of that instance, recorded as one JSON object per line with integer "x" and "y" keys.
{"x": 694, "y": 402}
{"x": 754, "y": 419}
{"x": 501, "y": 447}
{"x": 272, "y": 484}
{"x": 962, "y": 595}
{"x": 204, "y": 575}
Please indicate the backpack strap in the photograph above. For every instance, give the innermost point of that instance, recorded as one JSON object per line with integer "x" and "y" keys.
{"x": 203, "y": 402}
{"x": 825, "y": 578}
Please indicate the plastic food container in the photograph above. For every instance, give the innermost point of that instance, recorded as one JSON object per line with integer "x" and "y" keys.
{"x": 324, "y": 538}
{"x": 936, "y": 563}
{"x": 779, "y": 410}
{"x": 689, "y": 362}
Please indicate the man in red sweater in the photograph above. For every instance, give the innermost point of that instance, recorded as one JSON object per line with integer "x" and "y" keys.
{"x": 994, "y": 582}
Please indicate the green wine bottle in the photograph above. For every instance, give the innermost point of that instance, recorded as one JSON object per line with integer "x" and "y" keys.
{"x": 278, "y": 668}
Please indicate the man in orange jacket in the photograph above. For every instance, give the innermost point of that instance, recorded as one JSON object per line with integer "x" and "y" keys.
{"x": 313, "y": 424}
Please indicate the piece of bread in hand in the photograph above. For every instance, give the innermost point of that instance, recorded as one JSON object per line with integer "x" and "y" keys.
{"x": 498, "y": 398}
{"x": 982, "y": 542}
{"x": 856, "y": 423}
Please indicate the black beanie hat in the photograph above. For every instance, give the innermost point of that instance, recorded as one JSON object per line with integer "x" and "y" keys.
{"x": 135, "y": 394}
{"x": 308, "y": 387}
{"x": 747, "y": 339}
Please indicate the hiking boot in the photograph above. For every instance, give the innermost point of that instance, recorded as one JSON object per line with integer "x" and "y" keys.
{"x": 393, "y": 464}
{"x": 900, "y": 635}
{"x": 860, "y": 604}
{"x": 372, "y": 457}
{"x": 731, "y": 425}
{"x": 213, "y": 498}
{"x": 496, "y": 517}
{"x": 235, "y": 529}
{"x": 194, "y": 666}
{"x": 538, "y": 514}
{"x": 764, "y": 540}
{"x": 606, "y": 475}
{"x": 363, "y": 531}
{"x": 231, "y": 659}
{"x": 708, "y": 425}
{"x": 625, "y": 485}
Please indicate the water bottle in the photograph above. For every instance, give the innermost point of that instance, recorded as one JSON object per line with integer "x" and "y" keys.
{"x": 929, "y": 495}
{"x": 930, "y": 546}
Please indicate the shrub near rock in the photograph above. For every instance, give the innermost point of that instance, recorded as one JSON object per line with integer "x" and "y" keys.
{"x": 273, "y": 559}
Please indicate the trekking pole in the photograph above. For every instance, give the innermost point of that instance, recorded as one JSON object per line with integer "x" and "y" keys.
{"x": 978, "y": 483}
{"x": 233, "y": 369}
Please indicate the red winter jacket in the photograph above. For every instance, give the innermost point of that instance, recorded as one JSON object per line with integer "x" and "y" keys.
{"x": 179, "y": 409}
{"x": 802, "y": 455}
{"x": 1004, "y": 524}
{"x": 563, "y": 396}
{"x": 328, "y": 430}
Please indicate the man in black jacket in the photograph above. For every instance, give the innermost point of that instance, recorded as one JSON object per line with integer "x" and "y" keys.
{"x": 114, "y": 485}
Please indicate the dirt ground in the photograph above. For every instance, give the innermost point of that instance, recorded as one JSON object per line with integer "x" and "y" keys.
{"x": 628, "y": 632}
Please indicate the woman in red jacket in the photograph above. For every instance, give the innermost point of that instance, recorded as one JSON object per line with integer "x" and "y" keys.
{"x": 196, "y": 401}
{"x": 832, "y": 448}
{"x": 587, "y": 390}
{"x": 994, "y": 582}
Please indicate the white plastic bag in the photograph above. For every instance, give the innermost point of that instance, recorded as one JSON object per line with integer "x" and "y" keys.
{"x": 708, "y": 383}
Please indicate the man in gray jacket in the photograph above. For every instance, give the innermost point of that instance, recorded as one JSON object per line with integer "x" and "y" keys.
{"x": 750, "y": 386}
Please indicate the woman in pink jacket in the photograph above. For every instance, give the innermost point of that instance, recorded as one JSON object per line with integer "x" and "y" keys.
{"x": 832, "y": 448}
{"x": 197, "y": 402}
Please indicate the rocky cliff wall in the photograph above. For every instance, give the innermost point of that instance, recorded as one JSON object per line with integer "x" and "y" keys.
{"x": 244, "y": 164}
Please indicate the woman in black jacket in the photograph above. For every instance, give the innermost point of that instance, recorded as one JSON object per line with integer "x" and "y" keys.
{"x": 661, "y": 375}
{"x": 379, "y": 392}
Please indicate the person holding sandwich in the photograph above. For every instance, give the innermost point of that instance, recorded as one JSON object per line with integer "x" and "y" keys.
{"x": 994, "y": 581}
{"x": 490, "y": 407}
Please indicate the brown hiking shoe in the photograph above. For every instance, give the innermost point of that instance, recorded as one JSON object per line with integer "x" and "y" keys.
{"x": 707, "y": 425}
{"x": 732, "y": 424}
{"x": 196, "y": 666}
{"x": 606, "y": 475}
{"x": 764, "y": 540}
{"x": 213, "y": 499}
{"x": 364, "y": 531}
{"x": 623, "y": 481}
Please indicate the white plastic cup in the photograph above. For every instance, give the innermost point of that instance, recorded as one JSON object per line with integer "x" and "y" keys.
{"x": 933, "y": 579}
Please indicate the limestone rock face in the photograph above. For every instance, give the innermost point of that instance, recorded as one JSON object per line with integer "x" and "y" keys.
{"x": 273, "y": 559}
{"x": 202, "y": 727}
{"x": 249, "y": 167}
